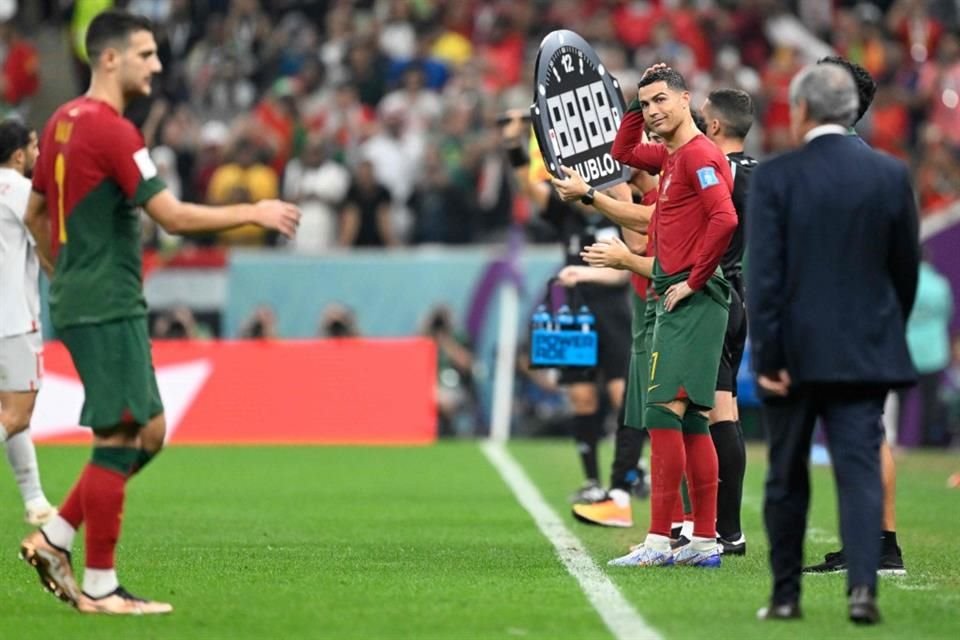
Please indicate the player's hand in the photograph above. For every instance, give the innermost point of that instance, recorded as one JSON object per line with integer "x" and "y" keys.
{"x": 777, "y": 384}
{"x": 279, "y": 216}
{"x": 610, "y": 252}
{"x": 656, "y": 67}
{"x": 572, "y": 275}
{"x": 573, "y": 187}
{"x": 675, "y": 294}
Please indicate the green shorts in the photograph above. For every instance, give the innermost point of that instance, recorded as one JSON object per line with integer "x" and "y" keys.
{"x": 116, "y": 369}
{"x": 687, "y": 342}
{"x": 644, "y": 316}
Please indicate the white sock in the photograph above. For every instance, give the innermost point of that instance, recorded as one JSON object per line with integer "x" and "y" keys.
{"x": 676, "y": 525}
{"x": 59, "y": 532}
{"x": 657, "y": 542}
{"x": 703, "y": 544}
{"x": 620, "y": 497}
{"x": 99, "y": 582}
{"x": 687, "y": 529}
{"x": 23, "y": 459}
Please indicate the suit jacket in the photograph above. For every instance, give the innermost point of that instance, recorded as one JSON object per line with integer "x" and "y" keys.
{"x": 832, "y": 264}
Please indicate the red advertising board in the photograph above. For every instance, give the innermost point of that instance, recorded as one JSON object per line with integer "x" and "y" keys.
{"x": 341, "y": 391}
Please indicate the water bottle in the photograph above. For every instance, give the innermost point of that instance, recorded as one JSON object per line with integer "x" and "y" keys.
{"x": 540, "y": 318}
{"x": 585, "y": 319}
{"x": 564, "y": 319}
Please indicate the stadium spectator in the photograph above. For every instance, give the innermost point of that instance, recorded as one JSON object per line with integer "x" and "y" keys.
{"x": 928, "y": 336}
{"x": 19, "y": 72}
{"x": 243, "y": 179}
{"x": 366, "y": 214}
{"x": 442, "y": 211}
{"x": 318, "y": 184}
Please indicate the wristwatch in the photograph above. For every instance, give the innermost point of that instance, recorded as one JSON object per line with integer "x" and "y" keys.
{"x": 587, "y": 198}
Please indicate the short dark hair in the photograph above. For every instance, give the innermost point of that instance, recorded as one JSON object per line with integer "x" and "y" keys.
{"x": 672, "y": 77}
{"x": 14, "y": 135}
{"x": 866, "y": 86}
{"x": 734, "y": 110}
{"x": 111, "y": 27}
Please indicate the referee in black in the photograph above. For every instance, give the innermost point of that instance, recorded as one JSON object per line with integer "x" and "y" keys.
{"x": 728, "y": 116}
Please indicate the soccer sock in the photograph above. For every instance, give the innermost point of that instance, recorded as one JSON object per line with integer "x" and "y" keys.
{"x": 678, "y": 506}
{"x": 98, "y": 583}
{"x": 667, "y": 460}
{"x": 889, "y": 542}
{"x": 103, "y": 491}
{"x": 586, "y": 434}
{"x": 628, "y": 447}
{"x": 59, "y": 532}
{"x": 732, "y": 461}
{"x": 702, "y": 478}
{"x": 22, "y": 456}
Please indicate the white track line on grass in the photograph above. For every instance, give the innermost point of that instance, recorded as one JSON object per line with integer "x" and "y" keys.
{"x": 623, "y": 620}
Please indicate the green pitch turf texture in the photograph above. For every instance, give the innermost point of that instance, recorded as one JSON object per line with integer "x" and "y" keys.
{"x": 428, "y": 542}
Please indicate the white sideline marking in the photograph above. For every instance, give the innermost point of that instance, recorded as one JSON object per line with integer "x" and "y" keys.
{"x": 624, "y": 622}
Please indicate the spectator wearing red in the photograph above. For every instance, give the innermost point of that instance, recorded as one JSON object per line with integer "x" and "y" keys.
{"x": 19, "y": 74}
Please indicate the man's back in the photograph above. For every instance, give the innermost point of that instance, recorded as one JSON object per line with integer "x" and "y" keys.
{"x": 848, "y": 260}
{"x": 93, "y": 169}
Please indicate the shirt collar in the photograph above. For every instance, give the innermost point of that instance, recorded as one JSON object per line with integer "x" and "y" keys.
{"x": 824, "y": 130}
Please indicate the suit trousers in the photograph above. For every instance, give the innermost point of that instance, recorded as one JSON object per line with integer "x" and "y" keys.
{"x": 851, "y": 419}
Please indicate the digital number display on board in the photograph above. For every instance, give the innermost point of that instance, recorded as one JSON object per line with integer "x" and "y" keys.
{"x": 576, "y": 110}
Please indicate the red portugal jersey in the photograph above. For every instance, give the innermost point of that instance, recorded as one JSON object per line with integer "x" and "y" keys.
{"x": 94, "y": 171}
{"x": 695, "y": 217}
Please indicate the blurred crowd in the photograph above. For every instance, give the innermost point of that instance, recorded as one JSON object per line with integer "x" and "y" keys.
{"x": 378, "y": 116}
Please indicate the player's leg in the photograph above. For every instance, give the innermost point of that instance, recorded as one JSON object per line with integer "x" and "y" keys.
{"x": 616, "y": 510}
{"x": 891, "y": 557}
{"x": 21, "y": 369}
{"x": 16, "y": 408}
{"x": 727, "y": 434}
{"x": 586, "y": 425}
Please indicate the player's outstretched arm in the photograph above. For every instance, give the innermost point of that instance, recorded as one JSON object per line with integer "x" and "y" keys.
{"x": 37, "y": 220}
{"x": 572, "y": 275}
{"x": 184, "y": 217}
{"x": 635, "y": 217}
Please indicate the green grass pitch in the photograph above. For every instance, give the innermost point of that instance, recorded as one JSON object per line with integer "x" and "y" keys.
{"x": 304, "y": 542}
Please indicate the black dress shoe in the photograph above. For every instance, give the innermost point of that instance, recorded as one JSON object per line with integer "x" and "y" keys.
{"x": 788, "y": 611}
{"x": 863, "y": 606}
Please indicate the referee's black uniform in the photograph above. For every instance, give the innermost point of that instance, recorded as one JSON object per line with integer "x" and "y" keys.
{"x": 741, "y": 166}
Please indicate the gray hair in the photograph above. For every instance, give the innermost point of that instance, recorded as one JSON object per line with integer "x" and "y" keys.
{"x": 829, "y": 92}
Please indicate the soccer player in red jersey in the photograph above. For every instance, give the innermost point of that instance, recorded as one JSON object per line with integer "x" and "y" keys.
{"x": 695, "y": 219}
{"x": 92, "y": 174}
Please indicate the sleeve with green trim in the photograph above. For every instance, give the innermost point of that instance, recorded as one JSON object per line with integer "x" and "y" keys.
{"x": 630, "y": 149}
{"x": 130, "y": 165}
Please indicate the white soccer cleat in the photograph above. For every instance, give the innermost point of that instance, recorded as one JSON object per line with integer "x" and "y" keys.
{"x": 121, "y": 602}
{"x": 687, "y": 555}
{"x": 644, "y": 556}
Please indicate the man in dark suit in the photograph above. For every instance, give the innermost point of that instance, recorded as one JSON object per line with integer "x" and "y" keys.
{"x": 833, "y": 258}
